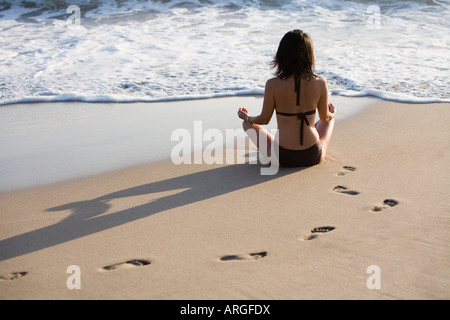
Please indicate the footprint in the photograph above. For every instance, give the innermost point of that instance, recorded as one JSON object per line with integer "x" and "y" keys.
{"x": 245, "y": 257}
{"x": 322, "y": 229}
{"x": 344, "y": 190}
{"x": 345, "y": 170}
{"x": 388, "y": 203}
{"x": 313, "y": 233}
{"x": 127, "y": 264}
{"x": 13, "y": 276}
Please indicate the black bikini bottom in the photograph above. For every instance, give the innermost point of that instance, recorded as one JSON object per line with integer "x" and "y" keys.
{"x": 300, "y": 158}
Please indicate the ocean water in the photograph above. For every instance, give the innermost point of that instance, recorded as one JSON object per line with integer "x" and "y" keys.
{"x": 133, "y": 50}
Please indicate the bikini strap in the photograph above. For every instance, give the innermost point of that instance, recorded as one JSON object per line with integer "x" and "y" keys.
{"x": 297, "y": 89}
{"x": 302, "y": 117}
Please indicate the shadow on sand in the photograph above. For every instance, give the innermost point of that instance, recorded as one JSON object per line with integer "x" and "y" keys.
{"x": 86, "y": 217}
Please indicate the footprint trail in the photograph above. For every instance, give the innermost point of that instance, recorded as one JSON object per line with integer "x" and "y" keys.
{"x": 13, "y": 276}
{"x": 244, "y": 257}
{"x": 127, "y": 264}
{"x": 388, "y": 203}
{"x": 345, "y": 170}
{"x": 345, "y": 190}
{"x": 314, "y": 232}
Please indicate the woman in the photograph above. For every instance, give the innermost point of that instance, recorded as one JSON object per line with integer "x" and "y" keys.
{"x": 295, "y": 93}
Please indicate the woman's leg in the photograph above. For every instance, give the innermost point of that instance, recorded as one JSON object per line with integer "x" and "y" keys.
{"x": 257, "y": 132}
{"x": 325, "y": 130}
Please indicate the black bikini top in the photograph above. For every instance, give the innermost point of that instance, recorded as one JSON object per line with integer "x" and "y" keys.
{"x": 300, "y": 115}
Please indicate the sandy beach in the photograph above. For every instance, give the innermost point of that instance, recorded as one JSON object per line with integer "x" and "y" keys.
{"x": 372, "y": 222}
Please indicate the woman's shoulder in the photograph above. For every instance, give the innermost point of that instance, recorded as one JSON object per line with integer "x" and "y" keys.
{"x": 319, "y": 83}
{"x": 273, "y": 81}
{"x": 319, "y": 80}
{"x": 274, "y": 84}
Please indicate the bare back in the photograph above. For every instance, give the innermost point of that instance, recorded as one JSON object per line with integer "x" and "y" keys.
{"x": 313, "y": 95}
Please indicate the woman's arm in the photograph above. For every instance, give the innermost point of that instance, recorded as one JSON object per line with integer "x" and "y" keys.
{"x": 267, "y": 109}
{"x": 327, "y": 111}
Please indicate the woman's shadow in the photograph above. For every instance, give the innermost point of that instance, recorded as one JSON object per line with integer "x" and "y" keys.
{"x": 86, "y": 217}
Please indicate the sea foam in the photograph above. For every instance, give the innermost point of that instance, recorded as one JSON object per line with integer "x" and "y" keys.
{"x": 127, "y": 51}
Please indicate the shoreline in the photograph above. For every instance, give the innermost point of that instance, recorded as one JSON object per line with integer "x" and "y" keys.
{"x": 340, "y": 93}
{"x": 46, "y": 143}
{"x": 161, "y": 231}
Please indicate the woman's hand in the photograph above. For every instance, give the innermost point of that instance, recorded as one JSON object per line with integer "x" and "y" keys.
{"x": 243, "y": 113}
{"x": 332, "y": 110}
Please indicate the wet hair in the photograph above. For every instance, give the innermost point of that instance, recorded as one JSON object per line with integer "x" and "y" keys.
{"x": 295, "y": 56}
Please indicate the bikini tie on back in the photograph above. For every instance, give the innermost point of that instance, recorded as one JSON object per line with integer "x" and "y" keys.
{"x": 300, "y": 115}
{"x": 297, "y": 89}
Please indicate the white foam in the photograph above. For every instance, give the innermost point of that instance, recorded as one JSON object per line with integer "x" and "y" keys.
{"x": 391, "y": 96}
{"x": 155, "y": 50}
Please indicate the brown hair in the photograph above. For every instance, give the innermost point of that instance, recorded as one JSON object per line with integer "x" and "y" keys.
{"x": 295, "y": 56}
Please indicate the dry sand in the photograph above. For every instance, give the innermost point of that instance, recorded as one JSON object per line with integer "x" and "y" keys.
{"x": 161, "y": 231}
